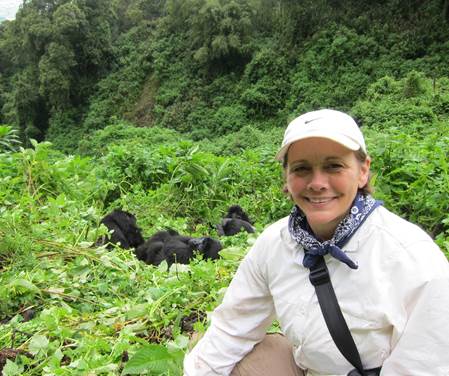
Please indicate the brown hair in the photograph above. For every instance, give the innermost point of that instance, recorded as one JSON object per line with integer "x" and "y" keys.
{"x": 367, "y": 188}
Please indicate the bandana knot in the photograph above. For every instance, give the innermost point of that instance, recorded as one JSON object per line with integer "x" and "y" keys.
{"x": 361, "y": 208}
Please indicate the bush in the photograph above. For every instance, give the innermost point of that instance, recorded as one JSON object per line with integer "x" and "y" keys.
{"x": 248, "y": 137}
{"x": 228, "y": 119}
{"x": 97, "y": 143}
{"x": 408, "y": 143}
{"x": 335, "y": 68}
{"x": 407, "y": 102}
{"x": 266, "y": 82}
{"x": 183, "y": 181}
{"x": 64, "y": 131}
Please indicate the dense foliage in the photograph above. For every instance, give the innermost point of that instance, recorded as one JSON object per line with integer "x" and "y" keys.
{"x": 173, "y": 110}
{"x": 203, "y": 67}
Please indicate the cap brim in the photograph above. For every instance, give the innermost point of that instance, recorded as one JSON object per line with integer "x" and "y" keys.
{"x": 338, "y": 138}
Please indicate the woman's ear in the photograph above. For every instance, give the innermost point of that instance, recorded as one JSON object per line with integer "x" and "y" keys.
{"x": 364, "y": 172}
{"x": 286, "y": 192}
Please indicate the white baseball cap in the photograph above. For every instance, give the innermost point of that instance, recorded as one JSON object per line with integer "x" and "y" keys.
{"x": 331, "y": 124}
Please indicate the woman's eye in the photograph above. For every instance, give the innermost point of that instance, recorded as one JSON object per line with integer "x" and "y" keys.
{"x": 300, "y": 169}
{"x": 334, "y": 166}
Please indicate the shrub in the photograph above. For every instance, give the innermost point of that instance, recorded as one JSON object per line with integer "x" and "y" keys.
{"x": 228, "y": 119}
{"x": 247, "y": 137}
{"x": 97, "y": 143}
{"x": 408, "y": 143}
{"x": 334, "y": 70}
{"x": 266, "y": 82}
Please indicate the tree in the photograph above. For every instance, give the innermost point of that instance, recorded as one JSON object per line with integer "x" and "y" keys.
{"x": 69, "y": 24}
{"x": 31, "y": 113}
{"x": 267, "y": 83}
{"x": 221, "y": 32}
{"x": 55, "y": 75}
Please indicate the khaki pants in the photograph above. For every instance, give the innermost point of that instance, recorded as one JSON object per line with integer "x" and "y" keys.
{"x": 271, "y": 357}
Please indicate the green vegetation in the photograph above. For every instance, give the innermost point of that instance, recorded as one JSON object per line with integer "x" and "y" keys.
{"x": 173, "y": 111}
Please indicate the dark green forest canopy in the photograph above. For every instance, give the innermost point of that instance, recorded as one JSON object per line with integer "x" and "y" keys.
{"x": 204, "y": 67}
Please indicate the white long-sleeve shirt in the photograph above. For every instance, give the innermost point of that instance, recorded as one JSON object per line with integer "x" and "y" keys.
{"x": 396, "y": 304}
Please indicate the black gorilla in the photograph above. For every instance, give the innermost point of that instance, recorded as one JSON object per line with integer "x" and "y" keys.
{"x": 236, "y": 211}
{"x": 207, "y": 246}
{"x": 235, "y": 221}
{"x": 124, "y": 230}
{"x": 169, "y": 245}
{"x": 152, "y": 248}
{"x": 232, "y": 226}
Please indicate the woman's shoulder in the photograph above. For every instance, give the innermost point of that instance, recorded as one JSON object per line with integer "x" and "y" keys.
{"x": 388, "y": 223}
{"x": 276, "y": 234}
{"x": 275, "y": 228}
{"x": 273, "y": 237}
{"x": 396, "y": 239}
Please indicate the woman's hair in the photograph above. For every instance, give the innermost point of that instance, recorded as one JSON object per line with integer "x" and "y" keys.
{"x": 360, "y": 156}
{"x": 367, "y": 188}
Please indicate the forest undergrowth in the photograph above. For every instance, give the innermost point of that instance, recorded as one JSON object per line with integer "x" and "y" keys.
{"x": 69, "y": 307}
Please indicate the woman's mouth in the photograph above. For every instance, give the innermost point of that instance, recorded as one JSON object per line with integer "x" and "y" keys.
{"x": 319, "y": 200}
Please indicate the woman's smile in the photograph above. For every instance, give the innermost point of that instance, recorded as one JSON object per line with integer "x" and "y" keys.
{"x": 319, "y": 200}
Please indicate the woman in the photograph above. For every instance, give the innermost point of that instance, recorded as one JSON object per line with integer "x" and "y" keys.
{"x": 390, "y": 278}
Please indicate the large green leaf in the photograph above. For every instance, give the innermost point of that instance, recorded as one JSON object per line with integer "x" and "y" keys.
{"x": 154, "y": 358}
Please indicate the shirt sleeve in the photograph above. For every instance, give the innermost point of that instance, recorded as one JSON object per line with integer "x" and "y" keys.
{"x": 237, "y": 324}
{"x": 424, "y": 345}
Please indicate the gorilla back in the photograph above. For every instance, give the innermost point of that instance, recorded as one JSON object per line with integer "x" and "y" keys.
{"x": 232, "y": 226}
{"x": 124, "y": 230}
{"x": 169, "y": 245}
{"x": 235, "y": 220}
{"x": 150, "y": 251}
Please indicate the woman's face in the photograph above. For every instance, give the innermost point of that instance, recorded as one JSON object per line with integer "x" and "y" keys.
{"x": 322, "y": 178}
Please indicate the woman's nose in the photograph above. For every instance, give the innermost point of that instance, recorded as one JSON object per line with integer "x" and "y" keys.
{"x": 318, "y": 181}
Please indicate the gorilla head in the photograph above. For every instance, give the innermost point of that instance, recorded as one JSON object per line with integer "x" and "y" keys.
{"x": 236, "y": 211}
{"x": 124, "y": 230}
{"x": 235, "y": 220}
{"x": 208, "y": 247}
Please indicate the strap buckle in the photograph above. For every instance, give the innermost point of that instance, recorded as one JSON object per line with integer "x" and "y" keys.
{"x": 319, "y": 274}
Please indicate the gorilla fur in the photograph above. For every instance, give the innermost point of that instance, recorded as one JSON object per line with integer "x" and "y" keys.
{"x": 169, "y": 245}
{"x": 235, "y": 220}
{"x": 236, "y": 211}
{"x": 124, "y": 230}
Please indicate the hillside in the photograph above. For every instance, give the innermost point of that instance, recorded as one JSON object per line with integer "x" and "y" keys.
{"x": 204, "y": 68}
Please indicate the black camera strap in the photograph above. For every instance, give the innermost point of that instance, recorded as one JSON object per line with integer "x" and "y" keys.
{"x": 335, "y": 321}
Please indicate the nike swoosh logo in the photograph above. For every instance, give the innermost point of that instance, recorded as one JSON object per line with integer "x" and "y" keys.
{"x": 309, "y": 121}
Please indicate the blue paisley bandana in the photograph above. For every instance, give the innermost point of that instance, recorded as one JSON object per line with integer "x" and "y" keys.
{"x": 361, "y": 208}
